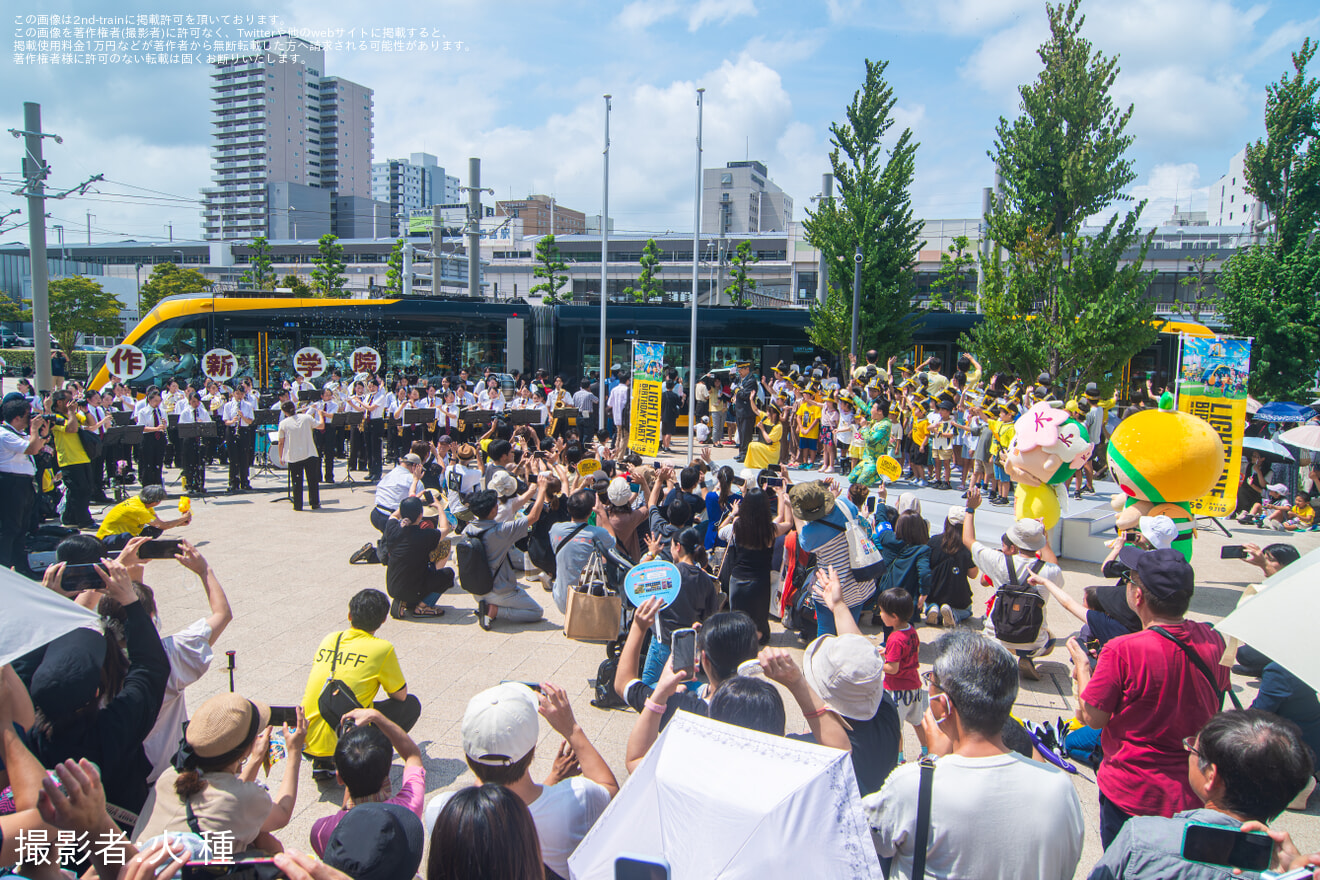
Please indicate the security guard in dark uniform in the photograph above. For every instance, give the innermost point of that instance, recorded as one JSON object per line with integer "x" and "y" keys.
{"x": 742, "y": 407}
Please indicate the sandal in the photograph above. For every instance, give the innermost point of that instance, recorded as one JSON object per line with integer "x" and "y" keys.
{"x": 423, "y": 610}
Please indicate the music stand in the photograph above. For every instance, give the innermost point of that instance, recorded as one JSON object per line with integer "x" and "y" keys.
{"x": 308, "y": 395}
{"x": 173, "y": 420}
{"x": 121, "y": 419}
{"x": 418, "y": 416}
{"x": 347, "y": 419}
{"x": 262, "y": 417}
{"x": 127, "y": 434}
{"x": 572, "y": 415}
{"x": 265, "y": 417}
{"x": 197, "y": 431}
{"x": 523, "y": 416}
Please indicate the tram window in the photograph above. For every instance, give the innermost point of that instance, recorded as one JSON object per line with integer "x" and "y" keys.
{"x": 338, "y": 350}
{"x": 173, "y": 351}
{"x": 732, "y": 355}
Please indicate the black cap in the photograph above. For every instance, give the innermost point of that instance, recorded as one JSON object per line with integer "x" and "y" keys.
{"x": 69, "y": 676}
{"x": 1165, "y": 574}
{"x": 376, "y": 842}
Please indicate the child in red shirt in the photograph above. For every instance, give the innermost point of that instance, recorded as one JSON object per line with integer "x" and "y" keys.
{"x": 900, "y": 653}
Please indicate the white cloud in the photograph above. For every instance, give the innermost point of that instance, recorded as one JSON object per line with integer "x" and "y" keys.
{"x": 719, "y": 11}
{"x": 1174, "y": 105}
{"x": 1165, "y": 188}
{"x": 641, "y": 14}
{"x": 786, "y": 50}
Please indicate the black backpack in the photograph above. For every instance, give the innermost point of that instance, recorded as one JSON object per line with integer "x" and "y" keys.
{"x": 1019, "y": 611}
{"x": 474, "y": 574}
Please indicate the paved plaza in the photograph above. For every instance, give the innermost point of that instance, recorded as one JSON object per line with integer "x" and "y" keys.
{"x": 289, "y": 581}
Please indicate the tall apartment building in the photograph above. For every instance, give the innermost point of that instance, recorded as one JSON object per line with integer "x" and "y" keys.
{"x": 1230, "y": 203}
{"x": 741, "y": 199}
{"x": 411, "y": 184}
{"x": 542, "y": 215}
{"x": 288, "y": 141}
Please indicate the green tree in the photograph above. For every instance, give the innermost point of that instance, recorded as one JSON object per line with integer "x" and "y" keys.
{"x": 831, "y": 323}
{"x": 1198, "y": 283}
{"x": 12, "y": 311}
{"x": 394, "y": 268}
{"x": 551, "y": 267}
{"x": 328, "y": 276}
{"x": 1269, "y": 290}
{"x": 167, "y": 279}
{"x": 742, "y": 286}
{"x": 1059, "y": 300}
{"x": 296, "y": 284}
{"x": 873, "y": 209}
{"x": 952, "y": 277}
{"x": 648, "y": 285}
{"x": 78, "y": 305}
{"x": 260, "y": 275}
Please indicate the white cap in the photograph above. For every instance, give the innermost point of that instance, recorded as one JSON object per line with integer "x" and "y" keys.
{"x": 500, "y": 725}
{"x": 908, "y": 501}
{"x": 956, "y": 516}
{"x": 1160, "y": 531}
{"x": 503, "y": 484}
{"x": 619, "y": 492}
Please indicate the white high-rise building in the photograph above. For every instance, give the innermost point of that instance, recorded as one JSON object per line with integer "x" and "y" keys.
{"x": 741, "y": 198}
{"x": 1230, "y": 203}
{"x": 288, "y": 140}
{"x": 411, "y": 184}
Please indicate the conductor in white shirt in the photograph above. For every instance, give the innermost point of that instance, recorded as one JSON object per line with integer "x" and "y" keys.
{"x": 297, "y": 448}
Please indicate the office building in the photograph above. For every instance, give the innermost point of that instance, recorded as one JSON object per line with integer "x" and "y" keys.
{"x": 1230, "y": 203}
{"x": 541, "y": 215}
{"x": 278, "y": 119}
{"x": 741, "y": 199}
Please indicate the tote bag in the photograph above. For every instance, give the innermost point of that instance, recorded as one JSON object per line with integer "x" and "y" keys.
{"x": 593, "y": 610}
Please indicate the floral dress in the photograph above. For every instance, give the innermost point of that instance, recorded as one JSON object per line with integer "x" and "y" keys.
{"x": 876, "y": 438}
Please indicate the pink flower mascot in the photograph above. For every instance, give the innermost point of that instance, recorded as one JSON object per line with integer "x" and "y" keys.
{"x": 1048, "y": 447}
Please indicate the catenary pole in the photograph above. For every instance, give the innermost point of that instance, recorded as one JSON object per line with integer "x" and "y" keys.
{"x": 696, "y": 277}
{"x": 604, "y": 266}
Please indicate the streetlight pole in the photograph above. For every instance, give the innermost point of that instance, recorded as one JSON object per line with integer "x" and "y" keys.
{"x": 64, "y": 269}
{"x": 857, "y": 298}
{"x": 696, "y": 278}
{"x": 604, "y": 258}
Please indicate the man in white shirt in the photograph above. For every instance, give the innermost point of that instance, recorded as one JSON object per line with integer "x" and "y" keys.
{"x": 297, "y": 449}
{"x": 17, "y": 490}
{"x": 982, "y": 793}
{"x": 238, "y": 414}
{"x": 194, "y": 468}
{"x": 1025, "y": 552}
{"x": 398, "y": 484}
{"x": 500, "y": 730}
{"x": 618, "y": 404}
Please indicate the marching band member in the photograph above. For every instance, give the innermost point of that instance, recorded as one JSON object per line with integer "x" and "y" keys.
{"x": 375, "y": 402}
{"x": 352, "y": 402}
{"x": 324, "y": 434}
{"x": 151, "y": 417}
{"x": 239, "y": 414}
{"x": 491, "y": 397}
{"x": 194, "y": 465}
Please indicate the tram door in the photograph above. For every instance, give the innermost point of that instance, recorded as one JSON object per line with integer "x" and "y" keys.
{"x": 264, "y": 356}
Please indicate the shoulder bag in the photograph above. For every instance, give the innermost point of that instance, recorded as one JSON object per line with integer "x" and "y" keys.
{"x": 1200, "y": 664}
{"x": 921, "y": 840}
{"x": 592, "y": 611}
{"x": 863, "y": 556}
{"x": 337, "y": 698}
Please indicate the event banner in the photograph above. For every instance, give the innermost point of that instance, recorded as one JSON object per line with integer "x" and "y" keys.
{"x": 648, "y": 360}
{"x": 1212, "y": 385}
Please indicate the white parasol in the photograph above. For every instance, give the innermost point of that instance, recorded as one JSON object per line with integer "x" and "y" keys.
{"x": 1278, "y": 620}
{"x": 35, "y": 616}
{"x": 718, "y": 801}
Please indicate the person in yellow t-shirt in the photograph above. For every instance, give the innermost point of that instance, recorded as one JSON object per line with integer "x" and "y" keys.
{"x": 1302, "y": 516}
{"x": 137, "y": 516}
{"x": 366, "y": 665}
{"x": 1001, "y": 430}
{"x": 919, "y": 450}
{"x": 808, "y": 429}
{"x": 75, "y": 465}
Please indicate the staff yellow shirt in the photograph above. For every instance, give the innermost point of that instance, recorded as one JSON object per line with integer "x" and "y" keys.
{"x": 126, "y": 518}
{"x": 366, "y": 664}
{"x": 68, "y": 448}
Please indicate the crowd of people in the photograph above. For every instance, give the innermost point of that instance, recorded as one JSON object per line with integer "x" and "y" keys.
{"x": 99, "y": 742}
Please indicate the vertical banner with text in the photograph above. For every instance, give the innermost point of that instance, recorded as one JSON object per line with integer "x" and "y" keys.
{"x": 648, "y": 360}
{"x": 1212, "y": 385}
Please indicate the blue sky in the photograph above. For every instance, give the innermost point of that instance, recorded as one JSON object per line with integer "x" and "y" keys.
{"x": 525, "y": 95}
